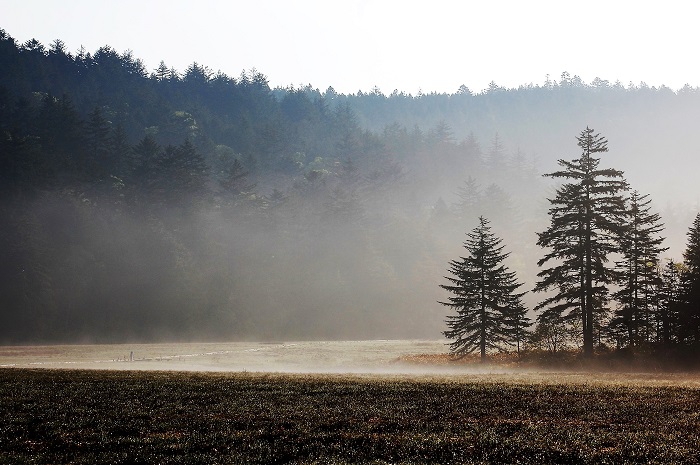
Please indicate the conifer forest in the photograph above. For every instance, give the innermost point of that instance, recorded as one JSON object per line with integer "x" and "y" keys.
{"x": 161, "y": 204}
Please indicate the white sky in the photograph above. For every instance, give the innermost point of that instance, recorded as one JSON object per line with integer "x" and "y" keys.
{"x": 353, "y": 45}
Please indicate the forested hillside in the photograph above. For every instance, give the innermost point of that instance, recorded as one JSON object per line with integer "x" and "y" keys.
{"x": 142, "y": 204}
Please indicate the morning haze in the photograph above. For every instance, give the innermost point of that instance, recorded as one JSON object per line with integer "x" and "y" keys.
{"x": 408, "y": 232}
{"x": 162, "y": 204}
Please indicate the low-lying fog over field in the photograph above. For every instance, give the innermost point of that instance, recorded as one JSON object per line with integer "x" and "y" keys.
{"x": 289, "y": 357}
{"x": 405, "y": 358}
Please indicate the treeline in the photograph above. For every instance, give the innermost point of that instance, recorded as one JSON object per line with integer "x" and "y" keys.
{"x": 141, "y": 206}
{"x": 603, "y": 265}
{"x": 526, "y": 113}
{"x": 604, "y": 282}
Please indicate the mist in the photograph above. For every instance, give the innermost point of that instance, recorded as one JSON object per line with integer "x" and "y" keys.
{"x": 196, "y": 207}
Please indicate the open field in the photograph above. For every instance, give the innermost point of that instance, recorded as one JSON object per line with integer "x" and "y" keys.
{"x": 289, "y": 357}
{"x": 379, "y": 357}
{"x": 331, "y": 402}
{"x": 103, "y": 416}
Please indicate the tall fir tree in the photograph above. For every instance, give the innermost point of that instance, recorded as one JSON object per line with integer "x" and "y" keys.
{"x": 489, "y": 310}
{"x": 689, "y": 310}
{"x": 143, "y": 169}
{"x": 638, "y": 267}
{"x": 586, "y": 218}
{"x": 97, "y": 131}
{"x": 517, "y": 322}
{"x": 668, "y": 302}
{"x": 191, "y": 171}
{"x": 119, "y": 153}
{"x": 496, "y": 162}
{"x": 469, "y": 197}
{"x": 161, "y": 72}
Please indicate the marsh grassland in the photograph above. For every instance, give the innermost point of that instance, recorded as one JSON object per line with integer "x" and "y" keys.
{"x": 88, "y": 416}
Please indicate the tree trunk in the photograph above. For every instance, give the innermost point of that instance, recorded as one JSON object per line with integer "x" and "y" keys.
{"x": 483, "y": 315}
{"x": 588, "y": 328}
{"x": 483, "y": 332}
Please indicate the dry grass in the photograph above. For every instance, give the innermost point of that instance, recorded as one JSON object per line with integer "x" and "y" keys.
{"x": 503, "y": 359}
{"x": 66, "y": 416}
{"x": 621, "y": 361}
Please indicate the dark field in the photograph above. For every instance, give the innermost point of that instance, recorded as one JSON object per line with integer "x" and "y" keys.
{"x": 66, "y": 416}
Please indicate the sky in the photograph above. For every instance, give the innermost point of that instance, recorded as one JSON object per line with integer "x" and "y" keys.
{"x": 409, "y": 46}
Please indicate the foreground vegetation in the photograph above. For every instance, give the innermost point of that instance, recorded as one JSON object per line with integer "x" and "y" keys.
{"x": 145, "y": 417}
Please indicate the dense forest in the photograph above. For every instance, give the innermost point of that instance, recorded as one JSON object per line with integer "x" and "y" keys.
{"x": 144, "y": 204}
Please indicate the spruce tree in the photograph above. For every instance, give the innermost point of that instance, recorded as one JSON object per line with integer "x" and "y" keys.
{"x": 483, "y": 295}
{"x": 161, "y": 72}
{"x": 517, "y": 322}
{"x": 119, "y": 153}
{"x": 469, "y": 196}
{"x": 640, "y": 246}
{"x": 191, "y": 170}
{"x": 143, "y": 167}
{"x": 177, "y": 176}
{"x": 668, "y": 302}
{"x": 97, "y": 132}
{"x": 234, "y": 180}
{"x": 689, "y": 310}
{"x": 585, "y": 224}
{"x": 496, "y": 159}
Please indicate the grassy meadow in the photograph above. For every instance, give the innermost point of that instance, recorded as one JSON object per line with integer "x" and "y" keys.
{"x": 101, "y": 416}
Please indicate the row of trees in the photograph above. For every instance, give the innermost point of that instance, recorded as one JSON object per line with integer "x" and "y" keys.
{"x": 142, "y": 203}
{"x": 272, "y": 129}
{"x": 109, "y": 237}
{"x": 78, "y": 192}
{"x": 601, "y": 272}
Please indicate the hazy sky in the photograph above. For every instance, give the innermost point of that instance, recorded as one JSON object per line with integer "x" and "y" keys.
{"x": 352, "y": 45}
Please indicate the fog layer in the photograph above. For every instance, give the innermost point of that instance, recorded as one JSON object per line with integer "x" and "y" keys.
{"x": 146, "y": 205}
